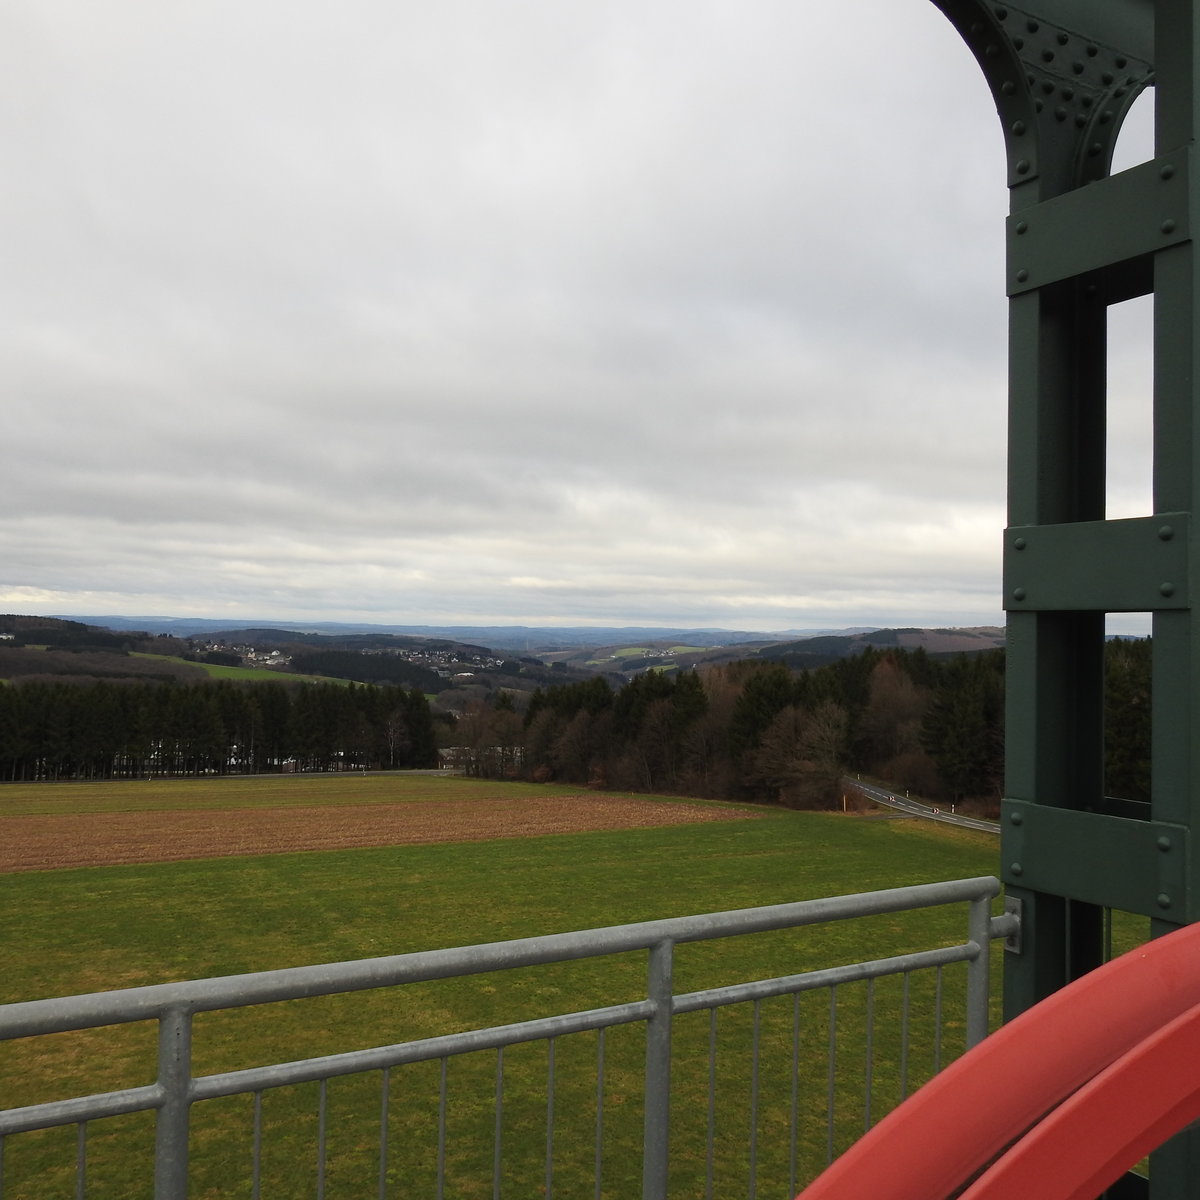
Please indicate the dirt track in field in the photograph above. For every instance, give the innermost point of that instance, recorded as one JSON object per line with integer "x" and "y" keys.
{"x": 44, "y": 843}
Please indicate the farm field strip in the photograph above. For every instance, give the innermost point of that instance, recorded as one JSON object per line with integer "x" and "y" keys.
{"x": 283, "y": 791}
{"x": 40, "y": 843}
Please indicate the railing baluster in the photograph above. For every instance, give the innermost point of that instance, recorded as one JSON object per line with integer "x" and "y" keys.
{"x": 831, "y": 1085}
{"x": 549, "y": 1188}
{"x": 904, "y": 1034}
{"x": 754, "y": 1044}
{"x": 937, "y": 1023}
{"x": 385, "y": 1100}
{"x": 256, "y": 1151}
{"x": 441, "y": 1145}
{"x": 322, "y": 1115}
{"x": 794, "y": 1107}
{"x": 498, "y": 1133}
{"x": 599, "y": 1112}
{"x": 710, "y": 1137}
{"x": 870, "y": 1064}
{"x": 81, "y": 1160}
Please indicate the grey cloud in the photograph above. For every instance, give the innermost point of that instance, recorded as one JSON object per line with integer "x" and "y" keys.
{"x": 610, "y": 312}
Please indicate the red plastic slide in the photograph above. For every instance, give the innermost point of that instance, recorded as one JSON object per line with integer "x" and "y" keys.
{"x": 1057, "y": 1103}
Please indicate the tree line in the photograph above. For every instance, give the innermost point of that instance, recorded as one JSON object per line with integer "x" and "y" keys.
{"x": 53, "y": 730}
{"x": 766, "y": 732}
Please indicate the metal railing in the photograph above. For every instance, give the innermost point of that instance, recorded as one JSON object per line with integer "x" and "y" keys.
{"x": 177, "y": 1089}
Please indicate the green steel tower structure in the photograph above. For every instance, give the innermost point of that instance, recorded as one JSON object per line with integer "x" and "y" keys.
{"x": 1064, "y": 74}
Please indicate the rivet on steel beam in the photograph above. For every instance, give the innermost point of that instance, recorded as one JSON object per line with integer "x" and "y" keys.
{"x": 1108, "y": 77}
{"x": 1018, "y": 127}
{"x": 1106, "y": 116}
{"x": 1016, "y": 818}
{"x": 1032, "y": 26}
{"x": 1121, "y": 62}
{"x": 1080, "y": 120}
{"x": 1018, "y": 43}
{"x": 1095, "y": 148}
{"x": 1019, "y": 543}
{"x": 1018, "y": 593}
{"x": 1164, "y": 843}
{"x": 1092, "y": 51}
{"x": 1166, "y": 589}
{"x": 1077, "y": 67}
{"x": 1002, "y": 14}
{"x": 1165, "y": 533}
{"x": 1016, "y": 869}
{"x": 1068, "y": 93}
{"x": 1022, "y": 166}
{"x": 1022, "y": 274}
{"x": 1008, "y": 87}
{"x": 1060, "y": 114}
{"x": 1047, "y": 56}
{"x": 1167, "y": 171}
{"x": 1048, "y": 87}
{"x": 1163, "y": 900}
{"x": 1086, "y": 101}
{"x": 1038, "y": 106}
{"x": 1168, "y": 226}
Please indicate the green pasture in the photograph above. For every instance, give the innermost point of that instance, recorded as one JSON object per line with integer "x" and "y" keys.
{"x": 242, "y": 674}
{"x": 261, "y": 791}
{"x": 92, "y": 929}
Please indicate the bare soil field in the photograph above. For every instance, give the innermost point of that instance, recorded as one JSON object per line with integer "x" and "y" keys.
{"x": 44, "y": 843}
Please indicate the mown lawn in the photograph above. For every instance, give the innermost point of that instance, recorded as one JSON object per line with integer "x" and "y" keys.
{"x": 96, "y": 928}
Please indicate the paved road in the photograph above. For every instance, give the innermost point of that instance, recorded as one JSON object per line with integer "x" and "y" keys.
{"x": 914, "y": 808}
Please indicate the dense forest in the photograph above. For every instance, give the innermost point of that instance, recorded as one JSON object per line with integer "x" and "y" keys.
{"x": 746, "y": 730}
{"x": 934, "y": 725}
{"x": 54, "y": 730}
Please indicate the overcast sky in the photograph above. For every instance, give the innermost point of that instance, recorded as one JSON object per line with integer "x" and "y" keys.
{"x": 506, "y": 311}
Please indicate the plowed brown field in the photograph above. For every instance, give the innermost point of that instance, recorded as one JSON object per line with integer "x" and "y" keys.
{"x": 43, "y": 843}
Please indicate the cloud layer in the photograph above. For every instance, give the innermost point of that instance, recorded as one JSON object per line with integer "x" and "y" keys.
{"x": 680, "y": 313}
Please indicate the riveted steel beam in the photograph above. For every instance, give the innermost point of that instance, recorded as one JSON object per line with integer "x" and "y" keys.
{"x": 1135, "y": 565}
{"x": 1063, "y": 74}
{"x": 1115, "y": 221}
{"x": 1135, "y": 866}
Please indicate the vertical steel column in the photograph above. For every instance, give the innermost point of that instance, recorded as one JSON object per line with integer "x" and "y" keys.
{"x": 1063, "y": 74}
{"x": 979, "y": 972}
{"x": 171, "y": 1130}
{"x": 657, "y": 1126}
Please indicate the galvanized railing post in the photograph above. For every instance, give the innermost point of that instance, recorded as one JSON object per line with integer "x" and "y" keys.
{"x": 175, "y": 1080}
{"x": 979, "y": 969}
{"x": 657, "y": 1126}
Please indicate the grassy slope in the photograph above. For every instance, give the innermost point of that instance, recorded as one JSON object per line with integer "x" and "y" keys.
{"x": 244, "y": 674}
{"x": 95, "y": 928}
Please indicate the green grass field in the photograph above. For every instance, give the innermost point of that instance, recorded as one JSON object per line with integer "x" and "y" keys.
{"x": 97, "y": 928}
{"x": 244, "y": 674}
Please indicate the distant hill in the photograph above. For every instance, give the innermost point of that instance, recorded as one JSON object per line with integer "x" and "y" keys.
{"x": 457, "y": 663}
{"x": 520, "y": 638}
{"x": 817, "y": 651}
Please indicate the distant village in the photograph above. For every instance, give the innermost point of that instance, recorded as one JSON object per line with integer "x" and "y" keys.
{"x": 447, "y": 663}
